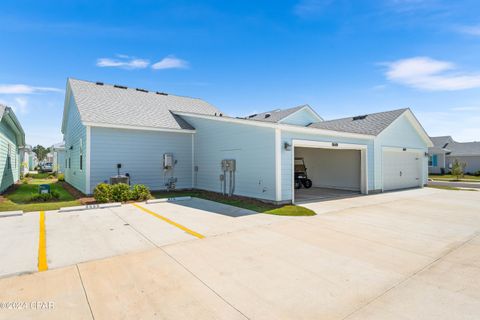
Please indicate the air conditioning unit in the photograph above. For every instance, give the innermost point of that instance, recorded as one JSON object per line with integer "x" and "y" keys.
{"x": 119, "y": 179}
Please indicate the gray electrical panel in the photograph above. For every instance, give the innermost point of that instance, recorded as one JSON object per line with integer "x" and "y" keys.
{"x": 228, "y": 165}
{"x": 168, "y": 161}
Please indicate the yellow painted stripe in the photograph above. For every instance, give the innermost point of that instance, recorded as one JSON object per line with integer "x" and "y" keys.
{"x": 42, "y": 245}
{"x": 173, "y": 223}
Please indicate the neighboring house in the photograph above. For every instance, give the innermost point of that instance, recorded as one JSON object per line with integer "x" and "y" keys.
{"x": 25, "y": 159}
{"x": 49, "y": 157}
{"x": 32, "y": 160}
{"x": 58, "y": 153}
{"x": 164, "y": 140}
{"x": 445, "y": 150}
{"x": 12, "y": 138}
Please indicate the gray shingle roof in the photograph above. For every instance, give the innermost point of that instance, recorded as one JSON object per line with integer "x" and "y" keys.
{"x": 107, "y": 104}
{"x": 274, "y": 115}
{"x": 440, "y": 142}
{"x": 456, "y": 148}
{"x": 371, "y": 124}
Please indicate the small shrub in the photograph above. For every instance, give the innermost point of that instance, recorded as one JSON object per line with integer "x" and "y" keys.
{"x": 51, "y": 176}
{"x": 141, "y": 192}
{"x": 121, "y": 192}
{"x": 24, "y": 181}
{"x": 103, "y": 193}
{"x": 61, "y": 177}
{"x": 44, "y": 197}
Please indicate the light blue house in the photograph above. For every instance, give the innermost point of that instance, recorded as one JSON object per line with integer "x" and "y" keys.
{"x": 12, "y": 138}
{"x": 167, "y": 141}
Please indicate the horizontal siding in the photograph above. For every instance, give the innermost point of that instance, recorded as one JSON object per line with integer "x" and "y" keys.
{"x": 473, "y": 163}
{"x": 12, "y": 174}
{"x": 141, "y": 155}
{"x": 287, "y": 157}
{"x": 75, "y": 132}
{"x": 252, "y": 147}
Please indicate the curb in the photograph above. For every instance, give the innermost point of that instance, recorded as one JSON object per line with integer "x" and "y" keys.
{"x": 168, "y": 199}
{"x": 11, "y": 214}
{"x": 91, "y": 207}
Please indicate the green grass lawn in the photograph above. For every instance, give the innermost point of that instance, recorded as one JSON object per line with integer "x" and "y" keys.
{"x": 449, "y": 177}
{"x": 19, "y": 199}
{"x": 450, "y": 188}
{"x": 241, "y": 202}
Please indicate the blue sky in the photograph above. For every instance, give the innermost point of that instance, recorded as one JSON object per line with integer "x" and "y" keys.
{"x": 341, "y": 57}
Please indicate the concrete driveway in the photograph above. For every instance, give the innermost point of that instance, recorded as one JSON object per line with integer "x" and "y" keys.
{"x": 402, "y": 255}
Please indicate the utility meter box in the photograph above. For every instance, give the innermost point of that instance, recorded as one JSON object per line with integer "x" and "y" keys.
{"x": 168, "y": 161}
{"x": 228, "y": 165}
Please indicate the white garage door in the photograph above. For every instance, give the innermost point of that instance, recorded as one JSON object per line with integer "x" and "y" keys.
{"x": 401, "y": 170}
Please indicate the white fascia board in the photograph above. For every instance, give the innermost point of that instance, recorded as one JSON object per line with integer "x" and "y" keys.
{"x": 327, "y": 145}
{"x": 127, "y": 127}
{"x": 66, "y": 105}
{"x": 283, "y": 127}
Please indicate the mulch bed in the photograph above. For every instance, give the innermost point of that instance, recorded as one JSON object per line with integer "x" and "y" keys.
{"x": 78, "y": 195}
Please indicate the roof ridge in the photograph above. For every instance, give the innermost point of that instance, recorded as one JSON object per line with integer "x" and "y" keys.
{"x": 367, "y": 114}
{"x": 131, "y": 88}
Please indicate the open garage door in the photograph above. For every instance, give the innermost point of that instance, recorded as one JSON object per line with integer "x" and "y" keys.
{"x": 401, "y": 169}
{"x": 324, "y": 171}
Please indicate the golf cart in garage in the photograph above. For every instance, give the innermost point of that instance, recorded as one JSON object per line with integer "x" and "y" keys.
{"x": 301, "y": 177}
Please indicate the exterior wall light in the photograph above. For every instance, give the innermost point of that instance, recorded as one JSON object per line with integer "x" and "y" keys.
{"x": 287, "y": 146}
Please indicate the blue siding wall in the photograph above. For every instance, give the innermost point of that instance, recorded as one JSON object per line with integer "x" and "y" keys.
{"x": 400, "y": 134}
{"x": 287, "y": 157}
{"x": 9, "y": 174}
{"x": 75, "y": 132}
{"x": 302, "y": 117}
{"x": 252, "y": 147}
{"x": 141, "y": 155}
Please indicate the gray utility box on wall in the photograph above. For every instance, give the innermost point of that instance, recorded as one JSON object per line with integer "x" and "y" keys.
{"x": 119, "y": 179}
{"x": 228, "y": 165}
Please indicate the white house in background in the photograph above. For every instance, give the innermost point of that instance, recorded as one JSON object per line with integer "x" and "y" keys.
{"x": 25, "y": 153}
{"x": 445, "y": 150}
{"x": 58, "y": 154}
{"x": 168, "y": 141}
{"x": 32, "y": 160}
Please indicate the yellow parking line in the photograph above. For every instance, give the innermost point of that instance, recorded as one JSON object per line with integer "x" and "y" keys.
{"x": 42, "y": 245}
{"x": 173, "y": 223}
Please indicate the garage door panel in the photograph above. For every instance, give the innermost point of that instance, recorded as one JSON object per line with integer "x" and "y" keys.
{"x": 401, "y": 170}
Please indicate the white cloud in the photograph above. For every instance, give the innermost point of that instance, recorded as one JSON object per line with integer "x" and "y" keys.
{"x": 306, "y": 8}
{"x": 470, "y": 30}
{"x": 20, "y": 105}
{"x": 170, "y": 62}
{"x": 124, "y": 62}
{"x": 466, "y": 109}
{"x": 24, "y": 89}
{"x": 429, "y": 74}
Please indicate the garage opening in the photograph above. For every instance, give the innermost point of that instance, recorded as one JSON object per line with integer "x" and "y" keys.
{"x": 326, "y": 173}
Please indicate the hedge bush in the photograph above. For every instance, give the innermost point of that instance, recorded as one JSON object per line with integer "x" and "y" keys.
{"x": 103, "y": 193}
{"x": 61, "y": 177}
{"x": 141, "y": 192}
{"x": 121, "y": 192}
{"x": 44, "y": 197}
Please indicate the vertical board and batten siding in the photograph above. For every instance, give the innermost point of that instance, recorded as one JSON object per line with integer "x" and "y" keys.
{"x": 252, "y": 147}
{"x": 400, "y": 134}
{"x": 74, "y": 132}
{"x": 300, "y": 118}
{"x": 141, "y": 155}
{"x": 288, "y": 136}
{"x": 12, "y": 174}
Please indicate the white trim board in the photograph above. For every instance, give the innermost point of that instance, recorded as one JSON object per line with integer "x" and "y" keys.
{"x": 129, "y": 127}
{"x": 278, "y": 165}
{"x": 285, "y": 127}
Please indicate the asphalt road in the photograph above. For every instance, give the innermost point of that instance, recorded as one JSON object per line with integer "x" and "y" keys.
{"x": 473, "y": 185}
